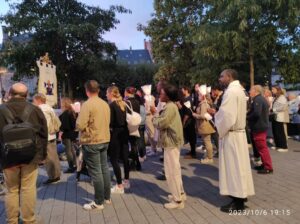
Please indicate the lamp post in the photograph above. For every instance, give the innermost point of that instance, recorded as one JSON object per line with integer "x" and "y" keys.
{"x": 3, "y": 71}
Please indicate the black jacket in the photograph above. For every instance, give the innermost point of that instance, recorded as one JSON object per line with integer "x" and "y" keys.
{"x": 68, "y": 125}
{"x": 258, "y": 116}
{"x": 185, "y": 111}
{"x": 117, "y": 116}
{"x": 135, "y": 104}
{"x": 37, "y": 119}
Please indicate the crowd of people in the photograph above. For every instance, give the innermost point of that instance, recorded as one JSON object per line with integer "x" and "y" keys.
{"x": 114, "y": 130}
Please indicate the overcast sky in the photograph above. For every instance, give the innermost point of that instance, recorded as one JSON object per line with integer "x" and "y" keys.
{"x": 126, "y": 34}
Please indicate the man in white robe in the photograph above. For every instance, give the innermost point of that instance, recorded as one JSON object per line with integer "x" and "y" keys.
{"x": 235, "y": 176}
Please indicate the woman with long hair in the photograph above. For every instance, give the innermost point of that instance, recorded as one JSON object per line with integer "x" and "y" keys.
{"x": 168, "y": 122}
{"x": 132, "y": 102}
{"x": 67, "y": 132}
{"x": 118, "y": 146}
{"x": 280, "y": 116}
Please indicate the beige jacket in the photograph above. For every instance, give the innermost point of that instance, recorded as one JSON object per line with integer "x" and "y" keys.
{"x": 203, "y": 125}
{"x": 93, "y": 122}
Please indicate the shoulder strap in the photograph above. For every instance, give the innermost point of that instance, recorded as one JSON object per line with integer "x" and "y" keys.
{"x": 26, "y": 113}
{"x": 9, "y": 117}
{"x": 129, "y": 107}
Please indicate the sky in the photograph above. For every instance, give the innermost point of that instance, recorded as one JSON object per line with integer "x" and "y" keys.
{"x": 125, "y": 35}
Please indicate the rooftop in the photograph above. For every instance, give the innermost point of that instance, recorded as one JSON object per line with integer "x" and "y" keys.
{"x": 133, "y": 57}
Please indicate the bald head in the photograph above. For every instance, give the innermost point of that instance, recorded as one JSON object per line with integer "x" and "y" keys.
{"x": 18, "y": 90}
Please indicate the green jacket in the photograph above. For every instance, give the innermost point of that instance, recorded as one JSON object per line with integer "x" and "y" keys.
{"x": 168, "y": 122}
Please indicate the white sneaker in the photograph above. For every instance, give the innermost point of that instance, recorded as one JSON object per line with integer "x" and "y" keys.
{"x": 297, "y": 137}
{"x": 108, "y": 202}
{"x": 126, "y": 184}
{"x": 183, "y": 197}
{"x": 174, "y": 205}
{"x": 270, "y": 140}
{"x": 256, "y": 161}
{"x": 273, "y": 147}
{"x": 151, "y": 153}
{"x": 200, "y": 148}
{"x": 282, "y": 150}
{"x": 92, "y": 206}
{"x": 117, "y": 190}
{"x": 207, "y": 161}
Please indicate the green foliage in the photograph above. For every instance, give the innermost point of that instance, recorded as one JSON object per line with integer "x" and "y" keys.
{"x": 137, "y": 75}
{"x": 70, "y": 31}
{"x": 170, "y": 30}
{"x": 195, "y": 40}
{"x": 122, "y": 75}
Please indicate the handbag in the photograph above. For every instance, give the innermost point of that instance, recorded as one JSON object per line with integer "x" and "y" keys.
{"x": 134, "y": 120}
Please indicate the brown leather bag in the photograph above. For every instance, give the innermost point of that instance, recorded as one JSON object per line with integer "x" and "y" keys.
{"x": 205, "y": 128}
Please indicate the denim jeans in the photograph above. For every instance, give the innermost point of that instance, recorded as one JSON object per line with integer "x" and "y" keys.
{"x": 95, "y": 157}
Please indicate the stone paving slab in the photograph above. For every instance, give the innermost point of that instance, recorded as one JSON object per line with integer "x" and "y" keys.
{"x": 277, "y": 198}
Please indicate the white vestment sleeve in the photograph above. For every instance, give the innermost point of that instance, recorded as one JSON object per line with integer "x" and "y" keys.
{"x": 226, "y": 117}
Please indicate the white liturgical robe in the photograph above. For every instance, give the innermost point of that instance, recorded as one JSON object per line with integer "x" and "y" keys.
{"x": 235, "y": 176}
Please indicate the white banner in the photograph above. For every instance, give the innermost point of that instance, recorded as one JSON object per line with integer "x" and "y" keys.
{"x": 48, "y": 82}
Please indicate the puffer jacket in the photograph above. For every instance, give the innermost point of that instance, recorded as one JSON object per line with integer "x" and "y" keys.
{"x": 281, "y": 109}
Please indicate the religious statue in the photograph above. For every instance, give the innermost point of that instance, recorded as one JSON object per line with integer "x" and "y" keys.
{"x": 49, "y": 87}
{"x": 46, "y": 59}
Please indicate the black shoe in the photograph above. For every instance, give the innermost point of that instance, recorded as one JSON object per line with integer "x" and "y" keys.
{"x": 161, "y": 177}
{"x": 234, "y": 205}
{"x": 52, "y": 181}
{"x": 138, "y": 168}
{"x": 259, "y": 167}
{"x": 265, "y": 171}
{"x": 70, "y": 170}
{"x": 77, "y": 176}
{"x": 132, "y": 167}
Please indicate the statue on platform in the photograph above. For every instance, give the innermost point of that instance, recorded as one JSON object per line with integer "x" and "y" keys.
{"x": 47, "y": 79}
{"x": 49, "y": 87}
{"x": 46, "y": 59}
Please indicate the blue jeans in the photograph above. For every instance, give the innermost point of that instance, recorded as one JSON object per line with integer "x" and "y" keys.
{"x": 95, "y": 157}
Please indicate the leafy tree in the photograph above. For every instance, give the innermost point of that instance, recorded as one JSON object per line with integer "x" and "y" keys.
{"x": 170, "y": 31}
{"x": 70, "y": 31}
{"x": 121, "y": 75}
{"x": 195, "y": 40}
{"x": 133, "y": 75}
{"x": 248, "y": 35}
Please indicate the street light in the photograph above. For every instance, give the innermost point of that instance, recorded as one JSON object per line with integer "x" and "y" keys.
{"x": 3, "y": 71}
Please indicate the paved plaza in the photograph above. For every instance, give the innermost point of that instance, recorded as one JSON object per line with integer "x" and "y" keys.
{"x": 277, "y": 198}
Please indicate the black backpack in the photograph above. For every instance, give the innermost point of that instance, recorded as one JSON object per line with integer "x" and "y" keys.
{"x": 19, "y": 138}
